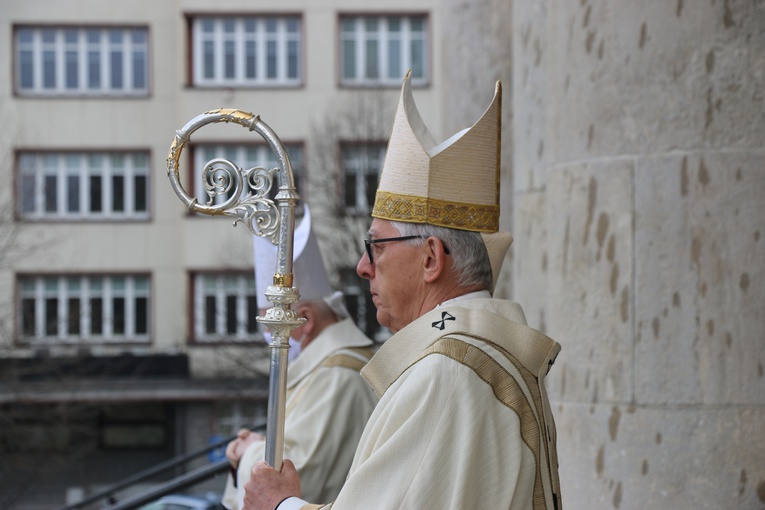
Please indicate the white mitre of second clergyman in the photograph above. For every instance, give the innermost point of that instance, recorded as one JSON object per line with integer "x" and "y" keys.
{"x": 454, "y": 183}
{"x": 310, "y": 274}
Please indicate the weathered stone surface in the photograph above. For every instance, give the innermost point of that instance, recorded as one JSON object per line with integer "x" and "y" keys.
{"x": 531, "y": 259}
{"x": 590, "y": 282}
{"x": 529, "y": 99}
{"x": 654, "y": 76}
{"x": 477, "y": 52}
{"x": 634, "y": 457}
{"x": 699, "y": 275}
{"x": 648, "y": 202}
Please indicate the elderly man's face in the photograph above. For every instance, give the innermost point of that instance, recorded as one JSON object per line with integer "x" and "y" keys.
{"x": 395, "y": 278}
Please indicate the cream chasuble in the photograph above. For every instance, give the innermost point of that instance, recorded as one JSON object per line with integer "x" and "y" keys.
{"x": 463, "y": 420}
{"x": 328, "y": 404}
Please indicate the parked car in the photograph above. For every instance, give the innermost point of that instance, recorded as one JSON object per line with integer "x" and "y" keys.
{"x": 210, "y": 501}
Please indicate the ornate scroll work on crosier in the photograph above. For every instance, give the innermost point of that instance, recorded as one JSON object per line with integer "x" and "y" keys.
{"x": 231, "y": 191}
{"x": 396, "y": 207}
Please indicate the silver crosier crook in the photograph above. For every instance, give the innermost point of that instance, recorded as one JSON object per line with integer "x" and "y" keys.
{"x": 264, "y": 218}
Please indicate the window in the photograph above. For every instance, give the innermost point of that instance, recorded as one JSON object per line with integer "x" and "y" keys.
{"x": 74, "y": 61}
{"x": 247, "y": 51}
{"x": 83, "y": 185}
{"x": 232, "y": 415}
{"x": 134, "y": 425}
{"x": 245, "y": 157}
{"x": 225, "y": 307}
{"x": 361, "y": 165}
{"x": 378, "y": 50}
{"x": 84, "y": 308}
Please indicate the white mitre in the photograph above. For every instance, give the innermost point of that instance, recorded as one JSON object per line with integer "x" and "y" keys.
{"x": 310, "y": 274}
{"x": 454, "y": 183}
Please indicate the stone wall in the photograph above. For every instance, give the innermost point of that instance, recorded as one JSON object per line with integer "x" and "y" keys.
{"x": 477, "y": 52}
{"x": 633, "y": 181}
{"x": 638, "y": 139}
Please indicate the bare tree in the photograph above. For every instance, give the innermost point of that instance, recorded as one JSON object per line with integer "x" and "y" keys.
{"x": 356, "y": 117}
{"x": 9, "y": 232}
{"x": 362, "y": 116}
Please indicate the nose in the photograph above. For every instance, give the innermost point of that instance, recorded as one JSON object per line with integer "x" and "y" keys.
{"x": 364, "y": 268}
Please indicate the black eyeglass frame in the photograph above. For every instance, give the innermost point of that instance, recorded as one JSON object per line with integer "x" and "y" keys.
{"x": 369, "y": 242}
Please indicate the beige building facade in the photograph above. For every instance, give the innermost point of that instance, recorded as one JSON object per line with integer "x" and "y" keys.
{"x": 122, "y": 315}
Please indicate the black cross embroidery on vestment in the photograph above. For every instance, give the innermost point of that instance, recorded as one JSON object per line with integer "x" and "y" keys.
{"x": 445, "y": 316}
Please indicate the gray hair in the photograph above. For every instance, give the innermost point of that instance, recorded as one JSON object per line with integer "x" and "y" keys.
{"x": 467, "y": 250}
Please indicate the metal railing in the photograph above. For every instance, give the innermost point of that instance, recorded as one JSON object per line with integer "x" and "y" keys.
{"x": 183, "y": 481}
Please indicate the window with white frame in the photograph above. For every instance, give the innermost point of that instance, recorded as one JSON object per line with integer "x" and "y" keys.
{"x": 246, "y": 51}
{"x": 361, "y": 165}
{"x": 225, "y": 307}
{"x": 233, "y": 415}
{"x": 90, "y": 309}
{"x": 378, "y": 50}
{"x": 245, "y": 156}
{"x": 83, "y": 185}
{"x": 82, "y": 61}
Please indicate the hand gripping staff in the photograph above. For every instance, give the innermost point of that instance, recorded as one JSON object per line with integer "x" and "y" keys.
{"x": 276, "y": 222}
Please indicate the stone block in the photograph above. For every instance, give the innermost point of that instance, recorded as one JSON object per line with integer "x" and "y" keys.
{"x": 590, "y": 280}
{"x": 653, "y": 76}
{"x": 699, "y": 276}
{"x": 627, "y": 457}
{"x": 530, "y": 75}
{"x": 531, "y": 259}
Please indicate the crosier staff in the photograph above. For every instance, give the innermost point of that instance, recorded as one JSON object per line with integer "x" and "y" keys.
{"x": 223, "y": 178}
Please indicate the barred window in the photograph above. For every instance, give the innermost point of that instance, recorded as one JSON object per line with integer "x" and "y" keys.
{"x": 96, "y": 309}
{"x": 75, "y": 61}
{"x": 378, "y": 50}
{"x": 83, "y": 186}
{"x": 247, "y": 51}
{"x": 361, "y": 167}
{"x": 225, "y": 307}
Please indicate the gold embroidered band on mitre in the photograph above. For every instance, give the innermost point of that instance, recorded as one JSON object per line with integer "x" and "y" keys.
{"x": 412, "y": 209}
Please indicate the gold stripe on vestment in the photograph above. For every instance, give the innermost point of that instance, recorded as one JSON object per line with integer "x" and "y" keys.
{"x": 344, "y": 361}
{"x": 335, "y": 360}
{"x": 533, "y": 384}
{"x": 506, "y": 389}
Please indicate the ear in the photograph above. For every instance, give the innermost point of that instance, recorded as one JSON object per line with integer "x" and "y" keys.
{"x": 310, "y": 318}
{"x": 435, "y": 259}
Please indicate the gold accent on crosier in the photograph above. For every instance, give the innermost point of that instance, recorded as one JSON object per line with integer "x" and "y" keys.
{"x": 412, "y": 209}
{"x": 234, "y": 114}
{"x": 283, "y": 280}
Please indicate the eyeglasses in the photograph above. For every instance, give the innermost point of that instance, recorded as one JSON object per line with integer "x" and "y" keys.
{"x": 369, "y": 242}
